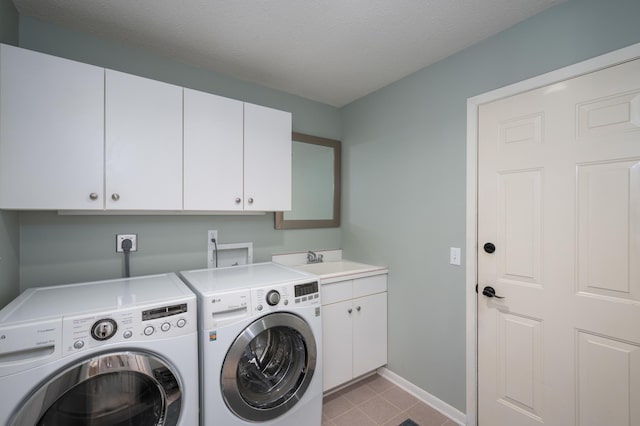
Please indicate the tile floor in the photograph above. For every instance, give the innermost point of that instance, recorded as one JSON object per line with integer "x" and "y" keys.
{"x": 375, "y": 401}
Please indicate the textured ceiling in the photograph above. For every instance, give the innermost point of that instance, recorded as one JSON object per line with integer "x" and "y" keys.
{"x": 331, "y": 51}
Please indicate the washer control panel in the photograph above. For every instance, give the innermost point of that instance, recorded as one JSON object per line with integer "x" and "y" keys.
{"x": 128, "y": 325}
{"x": 285, "y": 295}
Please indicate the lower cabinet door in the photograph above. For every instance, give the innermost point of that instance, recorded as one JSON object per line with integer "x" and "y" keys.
{"x": 369, "y": 333}
{"x": 337, "y": 341}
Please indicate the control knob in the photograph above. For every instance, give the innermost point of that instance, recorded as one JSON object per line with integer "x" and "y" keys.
{"x": 273, "y": 297}
{"x": 104, "y": 329}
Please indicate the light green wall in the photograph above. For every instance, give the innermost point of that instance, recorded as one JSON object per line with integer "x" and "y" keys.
{"x": 9, "y": 257}
{"x": 59, "y": 249}
{"x": 8, "y": 23}
{"x": 405, "y": 172}
{"x": 9, "y": 236}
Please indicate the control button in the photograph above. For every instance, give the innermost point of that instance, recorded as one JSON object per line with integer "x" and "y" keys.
{"x": 298, "y": 300}
{"x": 259, "y": 307}
{"x": 304, "y": 299}
{"x": 127, "y": 334}
{"x": 181, "y": 322}
{"x": 165, "y": 326}
{"x": 148, "y": 331}
{"x": 315, "y": 296}
{"x": 78, "y": 344}
{"x": 286, "y": 302}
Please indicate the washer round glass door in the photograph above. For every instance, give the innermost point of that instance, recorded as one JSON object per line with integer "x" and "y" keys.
{"x": 269, "y": 367}
{"x": 115, "y": 389}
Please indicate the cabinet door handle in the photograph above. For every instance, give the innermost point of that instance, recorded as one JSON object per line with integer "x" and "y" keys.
{"x": 350, "y": 310}
{"x": 238, "y": 200}
{"x": 250, "y": 200}
{"x": 358, "y": 308}
{"x": 115, "y": 196}
{"x": 93, "y": 196}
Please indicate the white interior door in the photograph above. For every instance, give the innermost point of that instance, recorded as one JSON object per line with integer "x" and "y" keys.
{"x": 559, "y": 198}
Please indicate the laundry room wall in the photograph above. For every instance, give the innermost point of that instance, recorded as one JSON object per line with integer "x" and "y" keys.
{"x": 404, "y": 194}
{"x": 9, "y": 240}
{"x": 60, "y": 249}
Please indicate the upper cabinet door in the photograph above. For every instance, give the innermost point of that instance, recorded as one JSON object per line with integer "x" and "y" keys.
{"x": 143, "y": 143}
{"x": 51, "y": 132}
{"x": 267, "y": 159}
{"x": 213, "y": 152}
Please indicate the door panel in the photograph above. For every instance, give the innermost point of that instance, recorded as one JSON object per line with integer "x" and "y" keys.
{"x": 608, "y": 381}
{"x": 559, "y": 197}
{"x": 608, "y": 203}
{"x": 519, "y": 372}
{"x": 520, "y": 231}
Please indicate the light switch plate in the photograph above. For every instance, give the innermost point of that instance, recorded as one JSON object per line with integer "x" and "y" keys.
{"x": 454, "y": 256}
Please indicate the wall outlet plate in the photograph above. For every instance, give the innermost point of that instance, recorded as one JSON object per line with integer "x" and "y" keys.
{"x": 121, "y": 237}
{"x": 211, "y": 234}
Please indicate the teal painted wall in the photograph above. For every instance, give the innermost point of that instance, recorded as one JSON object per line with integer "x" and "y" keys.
{"x": 9, "y": 229}
{"x": 404, "y": 182}
{"x": 8, "y": 23}
{"x": 403, "y": 171}
{"x": 60, "y": 249}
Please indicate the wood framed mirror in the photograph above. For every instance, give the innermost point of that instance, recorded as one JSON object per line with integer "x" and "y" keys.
{"x": 315, "y": 183}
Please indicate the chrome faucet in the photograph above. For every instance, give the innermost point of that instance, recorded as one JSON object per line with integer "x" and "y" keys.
{"x": 313, "y": 257}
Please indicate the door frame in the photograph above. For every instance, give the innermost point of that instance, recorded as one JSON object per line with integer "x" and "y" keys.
{"x": 590, "y": 65}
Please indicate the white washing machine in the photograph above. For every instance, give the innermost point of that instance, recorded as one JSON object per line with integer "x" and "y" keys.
{"x": 260, "y": 345}
{"x": 118, "y": 352}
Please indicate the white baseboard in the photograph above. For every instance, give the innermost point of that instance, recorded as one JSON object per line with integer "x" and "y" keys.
{"x": 454, "y": 414}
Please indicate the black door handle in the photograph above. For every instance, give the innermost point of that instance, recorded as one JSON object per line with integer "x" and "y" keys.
{"x": 491, "y": 292}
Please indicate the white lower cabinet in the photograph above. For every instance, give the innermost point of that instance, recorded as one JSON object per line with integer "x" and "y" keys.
{"x": 354, "y": 328}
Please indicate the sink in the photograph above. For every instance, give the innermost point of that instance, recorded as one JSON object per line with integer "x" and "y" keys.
{"x": 332, "y": 268}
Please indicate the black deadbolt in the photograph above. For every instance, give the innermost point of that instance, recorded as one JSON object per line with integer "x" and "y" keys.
{"x": 489, "y": 248}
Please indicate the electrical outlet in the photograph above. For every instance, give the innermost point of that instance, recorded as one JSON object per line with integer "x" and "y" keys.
{"x": 121, "y": 237}
{"x": 211, "y": 248}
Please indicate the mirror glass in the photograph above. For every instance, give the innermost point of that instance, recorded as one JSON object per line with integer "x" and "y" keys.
{"x": 315, "y": 184}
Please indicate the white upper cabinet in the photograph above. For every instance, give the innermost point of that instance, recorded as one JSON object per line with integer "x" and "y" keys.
{"x": 213, "y": 152}
{"x": 51, "y": 132}
{"x": 267, "y": 159}
{"x": 237, "y": 156}
{"x": 143, "y": 143}
{"x": 79, "y": 137}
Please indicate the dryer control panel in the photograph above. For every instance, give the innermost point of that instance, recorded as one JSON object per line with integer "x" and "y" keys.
{"x": 128, "y": 325}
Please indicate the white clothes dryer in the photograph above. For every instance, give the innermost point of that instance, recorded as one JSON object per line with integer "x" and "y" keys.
{"x": 260, "y": 345}
{"x": 117, "y": 352}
